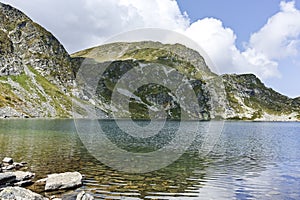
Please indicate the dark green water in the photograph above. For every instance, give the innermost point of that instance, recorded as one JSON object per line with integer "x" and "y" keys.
{"x": 249, "y": 161}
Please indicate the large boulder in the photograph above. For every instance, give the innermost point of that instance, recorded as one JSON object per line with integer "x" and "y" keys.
{"x": 66, "y": 180}
{"x": 23, "y": 178}
{"x": 18, "y": 193}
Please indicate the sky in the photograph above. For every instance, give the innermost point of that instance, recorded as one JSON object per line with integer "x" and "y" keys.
{"x": 251, "y": 36}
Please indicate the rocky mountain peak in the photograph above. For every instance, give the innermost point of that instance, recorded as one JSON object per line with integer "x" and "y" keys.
{"x": 37, "y": 75}
{"x": 25, "y": 43}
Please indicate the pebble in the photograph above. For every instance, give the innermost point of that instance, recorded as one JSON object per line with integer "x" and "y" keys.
{"x": 8, "y": 160}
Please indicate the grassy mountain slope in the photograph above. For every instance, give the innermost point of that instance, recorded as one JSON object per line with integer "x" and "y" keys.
{"x": 241, "y": 97}
{"x": 37, "y": 76}
{"x": 35, "y": 70}
{"x": 120, "y": 58}
{"x": 251, "y": 99}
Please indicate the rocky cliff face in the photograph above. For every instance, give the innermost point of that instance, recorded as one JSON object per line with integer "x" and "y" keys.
{"x": 37, "y": 75}
{"x": 120, "y": 58}
{"x": 237, "y": 97}
{"x": 249, "y": 99}
{"x": 35, "y": 69}
{"x": 23, "y": 42}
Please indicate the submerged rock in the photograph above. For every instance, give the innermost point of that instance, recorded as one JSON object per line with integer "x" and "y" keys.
{"x": 18, "y": 193}
{"x": 9, "y": 164}
{"x": 84, "y": 196}
{"x": 66, "y": 180}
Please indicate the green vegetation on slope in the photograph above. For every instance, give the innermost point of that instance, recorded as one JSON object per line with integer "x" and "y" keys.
{"x": 36, "y": 91}
{"x": 254, "y": 94}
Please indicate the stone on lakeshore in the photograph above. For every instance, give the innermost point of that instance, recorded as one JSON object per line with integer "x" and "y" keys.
{"x": 66, "y": 180}
{"x": 18, "y": 193}
{"x": 24, "y": 183}
{"x": 23, "y": 176}
{"x": 18, "y": 165}
{"x": 6, "y": 178}
{"x": 84, "y": 196}
{"x": 41, "y": 181}
{"x": 8, "y": 160}
{"x": 8, "y": 167}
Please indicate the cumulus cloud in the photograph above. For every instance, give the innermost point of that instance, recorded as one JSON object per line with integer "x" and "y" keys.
{"x": 220, "y": 44}
{"x": 84, "y": 23}
{"x": 280, "y": 37}
{"x": 217, "y": 41}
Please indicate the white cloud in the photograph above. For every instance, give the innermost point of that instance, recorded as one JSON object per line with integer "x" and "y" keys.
{"x": 155, "y": 13}
{"x": 280, "y": 37}
{"x": 84, "y": 23}
{"x": 219, "y": 43}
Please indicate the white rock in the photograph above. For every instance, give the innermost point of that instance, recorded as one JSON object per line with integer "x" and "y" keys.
{"x": 8, "y": 160}
{"x": 84, "y": 196}
{"x": 18, "y": 193}
{"x": 66, "y": 180}
{"x": 42, "y": 181}
{"x": 7, "y": 178}
{"x": 23, "y": 183}
{"x": 22, "y": 176}
{"x": 18, "y": 165}
{"x": 8, "y": 167}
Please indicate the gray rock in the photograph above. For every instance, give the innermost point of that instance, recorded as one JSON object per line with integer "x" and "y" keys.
{"x": 26, "y": 47}
{"x": 8, "y": 160}
{"x": 8, "y": 112}
{"x": 66, "y": 180}
{"x": 84, "y": 196}
{"x": 41, "y": 181}
{"x": 24, "y": 183}
{"x": 18, "y": 193}
{"x": 6, "y": 178}
{"x": 22, "y": 176}
{"x": 8, "y": 167}
{"x": 18, "y": 165}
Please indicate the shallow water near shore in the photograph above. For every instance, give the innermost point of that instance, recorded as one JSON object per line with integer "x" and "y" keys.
{"x": 249, "y": 161}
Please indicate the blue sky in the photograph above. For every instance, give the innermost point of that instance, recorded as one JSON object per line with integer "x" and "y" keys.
{"x": 245, "y": 18}
{"x": 239, "y": 36}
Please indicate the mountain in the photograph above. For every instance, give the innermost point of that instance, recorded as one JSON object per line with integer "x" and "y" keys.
{"x": 35, "y": 70}
{"x": 37, "y": 79}
{"x": 249, "y": 98}
{"x": 237, "y": 97}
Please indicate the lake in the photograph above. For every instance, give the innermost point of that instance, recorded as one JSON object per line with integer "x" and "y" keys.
{"x": 249, "y": 160}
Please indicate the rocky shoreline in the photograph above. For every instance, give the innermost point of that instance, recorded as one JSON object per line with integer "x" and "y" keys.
{"x": 14, "y": 180}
